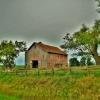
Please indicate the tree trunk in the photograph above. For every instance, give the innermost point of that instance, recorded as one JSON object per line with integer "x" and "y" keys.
{"x": 97, "y": 59}
{"x": 95, "y": 55}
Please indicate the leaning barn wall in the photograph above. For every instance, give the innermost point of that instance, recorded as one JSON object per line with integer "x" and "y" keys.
{"x": 57, "y": 60}
{"x": 36, "y": 53}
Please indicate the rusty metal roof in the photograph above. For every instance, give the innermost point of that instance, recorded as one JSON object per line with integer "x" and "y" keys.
{"x": 47, "y": 48}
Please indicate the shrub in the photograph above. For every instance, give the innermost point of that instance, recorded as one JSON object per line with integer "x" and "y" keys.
{"x": 74, "y": 62}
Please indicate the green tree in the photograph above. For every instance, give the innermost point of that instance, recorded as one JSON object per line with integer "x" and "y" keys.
{"x": 98, "y": 5}
{"x": 89, "y": 62}
{"x": 86, "y": 61}
{"x": 83, "y": 61}
{"x": 9, "y": 51}
{"x": 85, "y": 40}
{"x": 74, "y": 62}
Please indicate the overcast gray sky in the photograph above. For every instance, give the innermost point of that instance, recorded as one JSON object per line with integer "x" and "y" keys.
{"x": 43, "y": 20}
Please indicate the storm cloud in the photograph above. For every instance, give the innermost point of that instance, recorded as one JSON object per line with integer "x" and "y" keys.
{"x": 43, "y": 20}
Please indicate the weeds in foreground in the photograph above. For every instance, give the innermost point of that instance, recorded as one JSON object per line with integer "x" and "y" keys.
{"x": 74, "y": 85}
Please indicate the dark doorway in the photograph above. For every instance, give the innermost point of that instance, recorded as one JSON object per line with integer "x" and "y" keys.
{"x": 35, "y": 64}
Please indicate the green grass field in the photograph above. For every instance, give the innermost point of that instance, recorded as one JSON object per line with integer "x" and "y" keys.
{"x": 60, "y": 84}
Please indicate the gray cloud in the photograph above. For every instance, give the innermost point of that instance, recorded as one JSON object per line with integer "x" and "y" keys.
{"x": 43, "y": 20}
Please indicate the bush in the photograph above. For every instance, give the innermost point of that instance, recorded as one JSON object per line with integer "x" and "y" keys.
{"x": 74, "y": 62}
{"x": 83, "y": 61}
{"x": 89, "y": 62}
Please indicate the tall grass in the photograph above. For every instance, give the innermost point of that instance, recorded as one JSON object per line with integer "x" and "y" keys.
{"x": 4, "y": 97}
{"x": 60, "y": 85}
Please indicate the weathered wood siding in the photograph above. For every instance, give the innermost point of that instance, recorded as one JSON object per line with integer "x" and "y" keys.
{"x": 56, "y": 60}
{"x": 44, "y": 58}
{"x": 36, "y": 53}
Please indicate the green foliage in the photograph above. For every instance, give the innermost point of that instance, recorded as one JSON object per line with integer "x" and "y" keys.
{"x": 4, "y": 97}
{"x": 86, "y": 60}
{"x": 89, "y": 62}
{"x": 74, "y": 62}
{"x": 83, "y": 61}
{"x": 98, "y": 6}
{"x": 68, "y": 42}
{"x": 9, "y": 51}
{"x": 85, "y": 40}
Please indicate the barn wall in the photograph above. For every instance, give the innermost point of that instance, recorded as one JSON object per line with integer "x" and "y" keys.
{"x": 56, "y": 60}
{"x": 26, "y": 58}
{"x": 36, "y": 53}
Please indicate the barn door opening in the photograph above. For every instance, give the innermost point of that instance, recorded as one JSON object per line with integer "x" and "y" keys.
{"x": 35, "y": 64}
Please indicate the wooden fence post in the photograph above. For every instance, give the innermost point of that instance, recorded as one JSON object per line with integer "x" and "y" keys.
{"x": 53, "y": 71}
{"x": 38, "y": 71}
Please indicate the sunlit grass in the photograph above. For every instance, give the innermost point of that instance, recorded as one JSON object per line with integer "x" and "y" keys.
{"x": 77, "y": 84}
{"x": 4, "y": 97}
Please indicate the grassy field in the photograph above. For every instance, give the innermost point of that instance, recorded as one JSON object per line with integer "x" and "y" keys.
{"x": 58, "y": 84}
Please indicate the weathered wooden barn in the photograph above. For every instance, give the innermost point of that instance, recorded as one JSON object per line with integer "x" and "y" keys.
{"x": 42, "y": 55}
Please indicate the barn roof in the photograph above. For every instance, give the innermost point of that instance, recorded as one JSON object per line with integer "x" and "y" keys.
{"x": 47, "y": 48}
